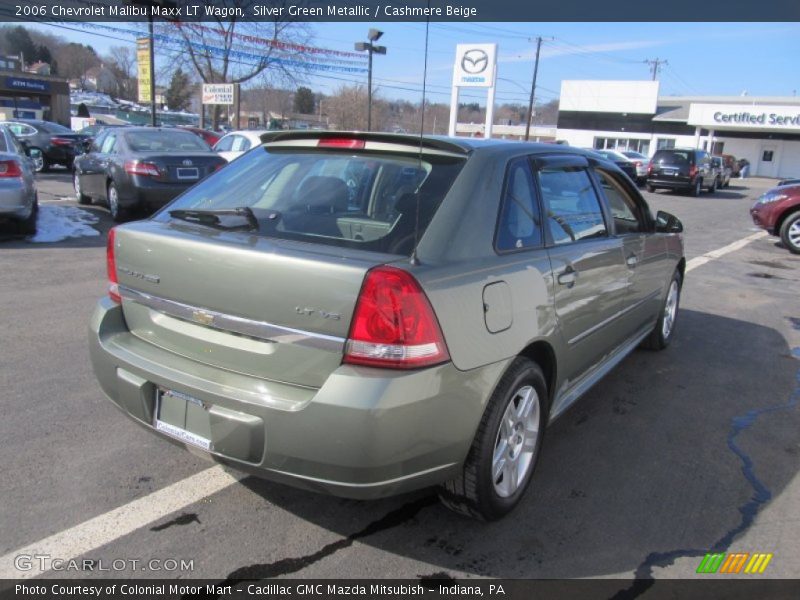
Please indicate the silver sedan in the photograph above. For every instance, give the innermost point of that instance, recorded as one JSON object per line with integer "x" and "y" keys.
{"x": 18, "y": 199}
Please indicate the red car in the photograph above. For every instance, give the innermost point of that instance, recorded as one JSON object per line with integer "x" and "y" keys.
{"x": 778, "y": 211}
{"x": 209, "y": 137}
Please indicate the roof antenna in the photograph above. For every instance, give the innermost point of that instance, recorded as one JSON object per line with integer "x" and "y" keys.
{"x": 414, "y": 259}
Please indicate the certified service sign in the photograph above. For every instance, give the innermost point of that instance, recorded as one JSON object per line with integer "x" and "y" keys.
{"x": 475, "y": 65}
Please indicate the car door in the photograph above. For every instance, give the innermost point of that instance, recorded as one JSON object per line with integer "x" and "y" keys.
{"x": 89, "y": 167}
{"x": 590, "y": 275}
{"x": 644, "y": 252}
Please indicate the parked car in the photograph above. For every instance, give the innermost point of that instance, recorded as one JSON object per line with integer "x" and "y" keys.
{"x": 209, "y": 137}
{"x": 682, "y": 169}
{"x": 18, "y": 199}
{"x": 623, "y": 162}
{"x": 368, "y": 313}
{"x": 141, "y": 167}
{"x": 640, "y": 161}
{"x": 724, "y": 171}
{"x": 778, "y": 211}
{"x": 233, "y": 145}
{"x": 90, "y": 131}
{"x": 57, "y": 144}
{"x": 790, "y": 181}
{"x": 730, "y": 161}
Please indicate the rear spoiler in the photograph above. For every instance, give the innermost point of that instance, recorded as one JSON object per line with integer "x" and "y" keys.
{"x": 397, "y": 139}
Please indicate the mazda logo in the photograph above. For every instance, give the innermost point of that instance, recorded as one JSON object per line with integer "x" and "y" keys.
{"x": 474, "y": 61}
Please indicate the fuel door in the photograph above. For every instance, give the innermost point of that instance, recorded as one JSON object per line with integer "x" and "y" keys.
{"x": 497, "y": 309}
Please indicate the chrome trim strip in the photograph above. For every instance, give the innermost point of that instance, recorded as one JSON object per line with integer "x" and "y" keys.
{"x": 616, "y": 315}
{"x": 256, "y": 329}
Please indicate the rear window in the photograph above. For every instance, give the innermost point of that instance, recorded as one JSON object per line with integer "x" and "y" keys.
{"x": 369, "y": 201}
{"x": 673, "y": 157}
{"x": 54, "y": 127}
{"x": 165, "y": 141}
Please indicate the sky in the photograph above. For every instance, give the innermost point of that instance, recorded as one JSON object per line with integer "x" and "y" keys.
{"x": 707, "y": 59}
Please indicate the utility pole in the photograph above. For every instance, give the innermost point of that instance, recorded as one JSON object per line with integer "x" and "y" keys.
{"x": 533, "y": 89}
{"x": 374, "y": 35}
{"x": 656, "y": 65}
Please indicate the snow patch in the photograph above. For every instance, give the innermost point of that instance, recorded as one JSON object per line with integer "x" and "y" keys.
{"x": 56, "y": 223}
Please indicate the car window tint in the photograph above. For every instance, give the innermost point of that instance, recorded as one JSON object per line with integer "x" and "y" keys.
{"x": 165, "y": 141}
{"x": 672, "y": 157}
{"x": 50, "y": 127}
{"x": 3, "y": 144}
{"x": 21, "y": 129}
{"x": 372, "y": 201}
{"x": 623, "y": 207}
{"x": 520, "y": 222}
{"x": 109, "y": 144}
{"x": 225, "y": 144}
{"x": 573, "y": 209}
{"x": 240, "y": 143}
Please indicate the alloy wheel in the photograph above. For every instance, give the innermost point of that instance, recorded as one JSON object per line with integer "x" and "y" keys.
{"x": 516, "y": 441}
{"x": 670, "y": 310}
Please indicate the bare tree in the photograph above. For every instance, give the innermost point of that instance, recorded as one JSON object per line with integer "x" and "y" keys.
{"x": 75, "y": 59}
{"x": 121, "y": 61}
{"x": 273, "y": 50}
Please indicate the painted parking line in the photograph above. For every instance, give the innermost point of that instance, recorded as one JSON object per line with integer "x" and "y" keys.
{"x": 699, "y": 261}
{"x": 80, "y": 539}
{"x": 106, "y": 528}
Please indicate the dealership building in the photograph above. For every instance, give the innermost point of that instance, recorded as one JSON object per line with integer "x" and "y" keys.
{"x": 632, "y": 115}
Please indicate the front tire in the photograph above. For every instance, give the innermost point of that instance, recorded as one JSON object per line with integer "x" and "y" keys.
{"x": 698, "y": 188}
{"x": 713, "y": 187}
{"x": 651, "y": 188}
{"x": 28, "y": 226}
{"x": 503, "y": 455}
{"x": 41, "y": 164}
{"x": 663, "y": 332}
{"x": 790, "y": 232}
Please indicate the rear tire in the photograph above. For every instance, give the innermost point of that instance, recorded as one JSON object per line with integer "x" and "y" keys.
{"x": 28, "y": 226}
{"x": 663, "y": 332}
{"x": 118, "y": 213}
{"x": 82, "y": 198}
{"x": 41, "y": 165}
{"x": 713, "y": 187}
{"x": 790, "y": 232}
{"x": 650, "y": 188}
{"x": 503, "y": 455}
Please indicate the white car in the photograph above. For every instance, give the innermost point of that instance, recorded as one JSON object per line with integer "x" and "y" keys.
{"x": 236, "y": 143}
{"x": 641, "y": 162}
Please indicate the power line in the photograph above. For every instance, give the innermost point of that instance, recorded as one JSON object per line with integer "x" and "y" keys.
{"x": 655, "y": 66}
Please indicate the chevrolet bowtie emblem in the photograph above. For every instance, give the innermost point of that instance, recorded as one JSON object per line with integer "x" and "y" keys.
{"x": 202, "y": 317}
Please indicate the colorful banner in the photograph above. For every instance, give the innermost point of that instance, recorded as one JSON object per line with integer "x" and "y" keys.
{"x": 143, "y": 69}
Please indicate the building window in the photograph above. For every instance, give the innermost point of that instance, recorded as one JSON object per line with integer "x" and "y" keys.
{"x": 767, "y": 156}
{"x": 665, "y": 143}
{"x": 641, "y": 146}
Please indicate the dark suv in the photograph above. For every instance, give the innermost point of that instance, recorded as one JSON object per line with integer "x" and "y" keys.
{"x": 682, "y": 169}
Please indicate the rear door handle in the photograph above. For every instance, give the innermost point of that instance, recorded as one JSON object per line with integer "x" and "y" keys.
{"x": 567, "y": 277}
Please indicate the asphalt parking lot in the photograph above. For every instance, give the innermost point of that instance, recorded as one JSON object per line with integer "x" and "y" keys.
{"x": 674, "y": 454}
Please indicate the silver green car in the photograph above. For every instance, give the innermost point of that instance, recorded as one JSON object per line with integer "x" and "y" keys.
{"x": 368, "y": 314}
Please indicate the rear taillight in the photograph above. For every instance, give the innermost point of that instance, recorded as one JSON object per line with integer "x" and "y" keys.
{"x": 692, "y": 170}
{"x": 10, "y": 168}
{"x": 111, "y": 264}
{"x": 394, "y": 325}
{"x": 650, "y": 168}
{"x": 140, "y": 167}
{"x": 637, "y": 163}
{"x": 349, "y": 143}
{"x": 59, "y": 141}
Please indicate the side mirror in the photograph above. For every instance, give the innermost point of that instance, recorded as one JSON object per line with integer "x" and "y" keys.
{"x": 668, "y": 223}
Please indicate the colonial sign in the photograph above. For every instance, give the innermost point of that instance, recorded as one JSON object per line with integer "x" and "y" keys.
{"x": 218, "y": 93}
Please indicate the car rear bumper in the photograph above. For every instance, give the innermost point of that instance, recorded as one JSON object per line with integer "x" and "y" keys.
{"x": 154, "y": 195}
{"x": 676, "y": 183}
{"x": 15, "y": 201}
{"x": 366, "y": 433}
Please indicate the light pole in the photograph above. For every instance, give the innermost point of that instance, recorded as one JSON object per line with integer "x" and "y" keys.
{"x": 374, "y": 35}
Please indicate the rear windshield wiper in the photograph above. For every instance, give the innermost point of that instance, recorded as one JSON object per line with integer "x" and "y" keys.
{"x": 212, "y": 217}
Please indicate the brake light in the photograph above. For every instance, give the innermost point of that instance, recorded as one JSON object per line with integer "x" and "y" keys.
{"x": 650, "y": 168}
{"x": 140, "y": 167}
{"x": 394, "y": 325}
{"x": 692, "y": 170}
{"x": 10, "y": 168}
{"x": 59, "y": 141}
{"x": 350, "y": 143}
{"x": 111, "y": 265}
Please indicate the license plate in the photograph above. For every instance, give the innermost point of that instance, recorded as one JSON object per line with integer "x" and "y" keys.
{"x": 188, "y": 173}
{"x": 170, "y": 417}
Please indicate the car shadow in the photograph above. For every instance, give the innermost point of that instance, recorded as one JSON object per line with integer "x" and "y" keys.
{"x": 9, "y": 238}
{"x": 673, "y": 454}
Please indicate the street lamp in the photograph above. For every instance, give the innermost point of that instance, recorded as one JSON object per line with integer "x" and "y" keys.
{"x": 374, "y": 35}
